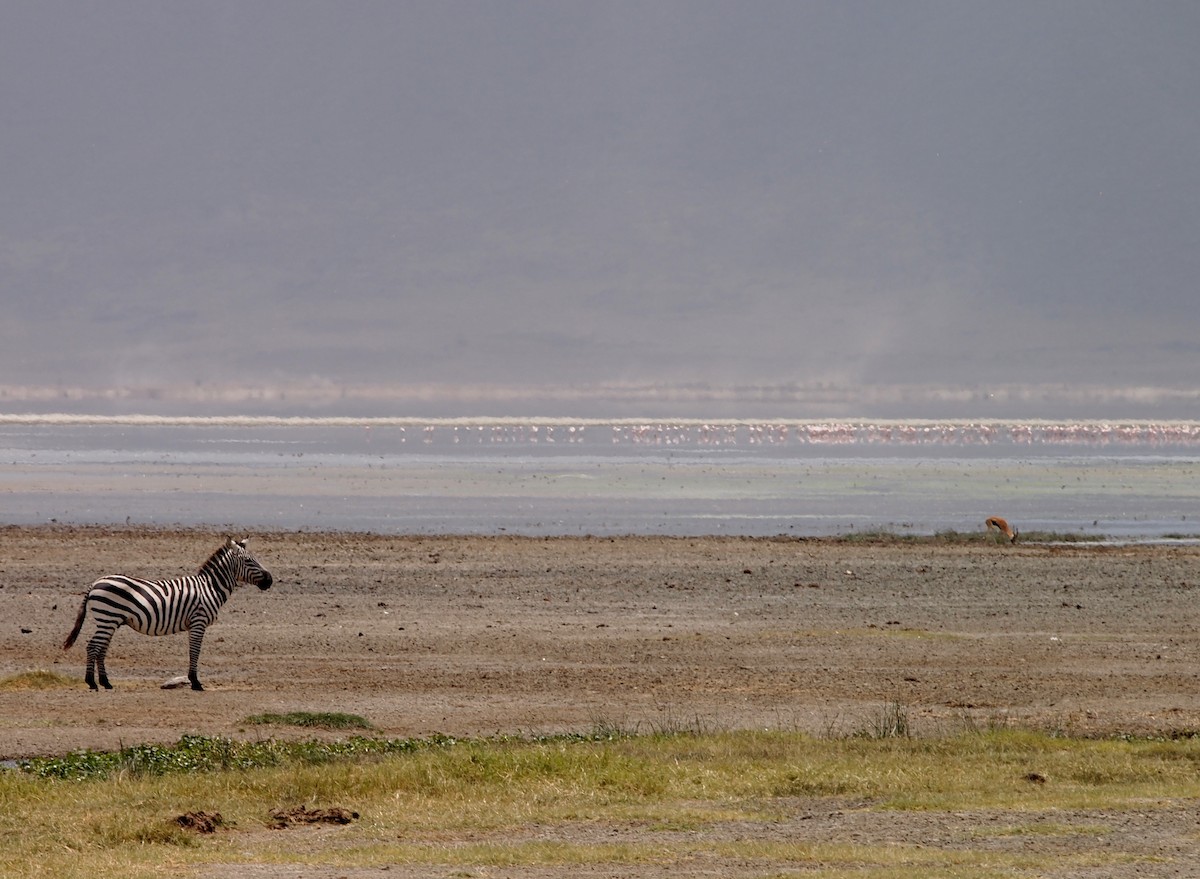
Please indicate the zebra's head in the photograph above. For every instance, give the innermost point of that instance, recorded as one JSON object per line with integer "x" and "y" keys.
{"x": 246, "y": 568}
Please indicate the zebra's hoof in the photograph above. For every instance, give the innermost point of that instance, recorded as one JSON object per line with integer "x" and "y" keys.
{"x": 196, "y": 686}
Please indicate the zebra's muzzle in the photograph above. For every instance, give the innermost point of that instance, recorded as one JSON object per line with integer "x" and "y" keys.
{"x": 265, "y": 583}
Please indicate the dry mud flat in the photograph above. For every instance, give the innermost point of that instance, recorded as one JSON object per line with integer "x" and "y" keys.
{"x": 467, "y": 636}
{"x": 475, "y": 636}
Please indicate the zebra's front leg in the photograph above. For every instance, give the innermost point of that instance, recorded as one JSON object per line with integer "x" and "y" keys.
{"x": 195, "y": 640}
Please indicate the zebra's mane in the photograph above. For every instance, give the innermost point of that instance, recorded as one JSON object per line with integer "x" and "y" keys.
{"x": 218, "y": 562}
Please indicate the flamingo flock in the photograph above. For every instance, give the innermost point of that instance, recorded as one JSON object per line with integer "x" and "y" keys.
{"x": 708, "y": 434}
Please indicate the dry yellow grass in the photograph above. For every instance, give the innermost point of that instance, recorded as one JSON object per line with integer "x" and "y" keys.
{"x": 664, "y": 799}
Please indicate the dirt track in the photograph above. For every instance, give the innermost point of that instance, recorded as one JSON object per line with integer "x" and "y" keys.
{"x": 484, "y": 635}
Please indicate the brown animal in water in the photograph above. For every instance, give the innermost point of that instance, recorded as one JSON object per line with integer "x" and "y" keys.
{"x": 995, "y": 523}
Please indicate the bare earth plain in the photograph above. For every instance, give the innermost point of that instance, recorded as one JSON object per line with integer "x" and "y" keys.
{"x": 474, "y": 636}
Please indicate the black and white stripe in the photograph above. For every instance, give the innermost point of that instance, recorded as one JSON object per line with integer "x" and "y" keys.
{"x": 165, "y": 607}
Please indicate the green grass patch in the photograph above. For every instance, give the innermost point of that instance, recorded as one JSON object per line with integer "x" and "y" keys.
{"x": 952, "y": 537}
{"x": 1043, "y": 828}
{"x": 194, "y": 754}
{"x": 604, "y": 798}
{"x": 878, "y": 535}
{"x": 1059, "y": 537}
{"x": 317, "y": 719}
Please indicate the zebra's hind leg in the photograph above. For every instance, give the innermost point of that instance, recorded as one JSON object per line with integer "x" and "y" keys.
{"x": 96, "y": 650}
{"x": 90, "y": 678}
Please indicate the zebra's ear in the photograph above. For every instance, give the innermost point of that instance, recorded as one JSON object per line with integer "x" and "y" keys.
{"x": 242, "y": 543}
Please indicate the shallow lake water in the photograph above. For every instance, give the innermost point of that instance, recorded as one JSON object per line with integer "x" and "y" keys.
{"x": 396, "y": 476}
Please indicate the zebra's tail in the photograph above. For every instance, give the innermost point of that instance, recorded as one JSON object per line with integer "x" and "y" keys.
{"x": 78, "y": 624}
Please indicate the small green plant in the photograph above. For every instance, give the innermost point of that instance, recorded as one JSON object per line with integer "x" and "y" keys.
{"x": 317, "y": 719}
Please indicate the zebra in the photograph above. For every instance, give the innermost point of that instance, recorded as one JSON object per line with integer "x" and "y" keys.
{"x": 165, "y": 607}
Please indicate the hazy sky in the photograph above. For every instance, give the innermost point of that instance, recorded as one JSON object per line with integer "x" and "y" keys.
{"x": 590, "y": 193}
